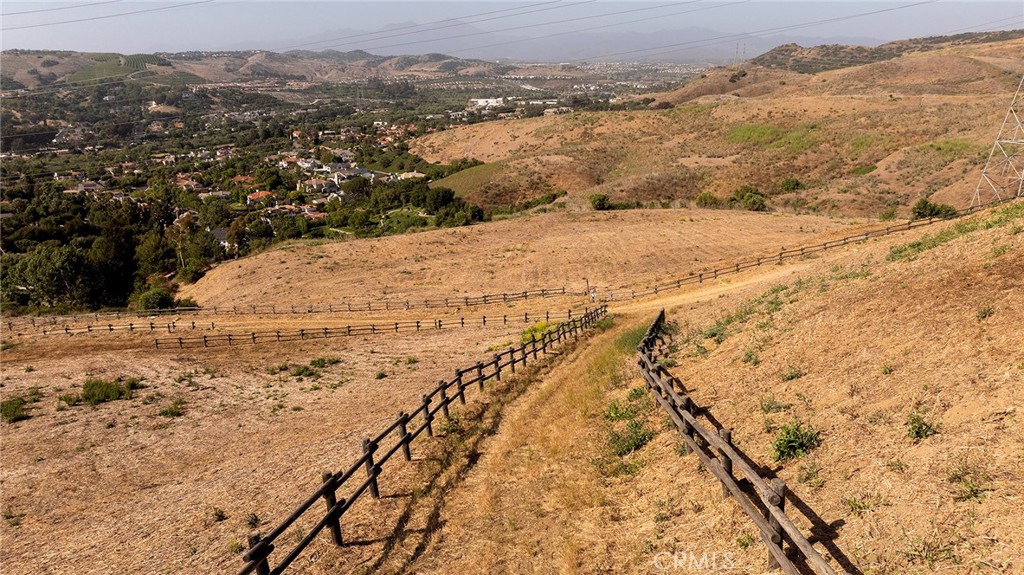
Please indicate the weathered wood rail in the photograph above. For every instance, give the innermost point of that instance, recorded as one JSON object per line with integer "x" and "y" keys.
{"x": 614, "y": 294}
{"x": 453, "y": 301}
{"x": 376, "y": 328}
{"x": 402, "y": 431}
{"x": 762, "y": 500}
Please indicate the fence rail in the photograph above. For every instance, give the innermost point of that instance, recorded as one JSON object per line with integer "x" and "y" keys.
{"x": 258, "y": 557}
{"x": 274, "y": 309}
{"x": 766, "y": 505}
{"x": 281, "y": 336}
{"x": 613, "y": 294}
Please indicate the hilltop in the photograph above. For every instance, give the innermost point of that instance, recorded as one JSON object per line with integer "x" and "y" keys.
{"x": 858, "y": 140}
{"x": 35, "y": 68}
{"x": 834, "y": 56}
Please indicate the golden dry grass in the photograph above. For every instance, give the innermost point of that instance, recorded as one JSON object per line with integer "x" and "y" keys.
{"x": 873, "y": 340}
{"x": 857, "y": 137}
{"x": 542, "y": 495}
{"x": 543, "y": 251}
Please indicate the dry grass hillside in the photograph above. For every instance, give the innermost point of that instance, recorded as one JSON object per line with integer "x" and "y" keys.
{"x": 608, "y": 250}
{"x": 218, "y": 443}
{"x": 865, "y": 346}
{"x": 860, "y": 140}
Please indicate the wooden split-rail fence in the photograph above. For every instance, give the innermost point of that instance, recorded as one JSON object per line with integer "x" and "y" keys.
{"x": 763, "y": 500}
{"x": 259, "y": 558}
{"x": 282, "y": 336}
{"x": 614, "y": 294}
{"x": 453, "y": 301}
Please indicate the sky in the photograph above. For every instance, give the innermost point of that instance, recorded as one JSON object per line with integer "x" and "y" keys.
{"x": 558, "y": 29}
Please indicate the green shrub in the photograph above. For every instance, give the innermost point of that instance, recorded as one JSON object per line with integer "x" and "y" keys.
{"x": 322, "y": 362}
{"x": 617, "y": 412}
{"x": 635, "y": 436}
{"x": 155, "y": 298}
{"x": 536, "y": 330}
{"x": 303, "y": 371}
{"x": 918, "y": 428}
{"x": 708, "y": 200}
{"x": 13, "y": 409}
{"x": 749, "y": 198}
{"x": 600, "y": 202}
{"x": 926, "y": 209}
{"x": 790, "y": 185}
{"x": 96, "y": 391}
{"x": 794, "y": 440}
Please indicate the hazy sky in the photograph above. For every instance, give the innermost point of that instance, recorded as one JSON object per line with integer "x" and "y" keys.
{"x": 489, "y": 28}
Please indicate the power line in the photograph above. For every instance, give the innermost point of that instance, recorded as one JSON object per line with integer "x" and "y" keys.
{"x": 577, "y": 19}
{"x": 6, "y": 14}
{"x": 460, "y": 21}
{"x": 578, "y": 31}
{"x": 675, "y": 47}
{"x": 118, "y": 15}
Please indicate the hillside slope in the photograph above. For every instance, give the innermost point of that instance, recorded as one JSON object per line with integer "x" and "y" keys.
{"x": 853, "y": 344}
{"x": 859, "y": 140}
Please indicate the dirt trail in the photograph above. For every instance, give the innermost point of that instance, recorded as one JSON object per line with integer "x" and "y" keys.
{"x": 712, "y": 289}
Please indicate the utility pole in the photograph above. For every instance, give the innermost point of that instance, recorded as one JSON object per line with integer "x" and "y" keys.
{"x": 1003, "y": 176}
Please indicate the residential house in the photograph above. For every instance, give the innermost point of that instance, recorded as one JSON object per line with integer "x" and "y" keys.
{"x": 257, "y": 197}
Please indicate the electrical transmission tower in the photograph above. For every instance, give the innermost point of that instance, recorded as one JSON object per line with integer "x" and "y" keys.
{"x": 1003, "y": 176}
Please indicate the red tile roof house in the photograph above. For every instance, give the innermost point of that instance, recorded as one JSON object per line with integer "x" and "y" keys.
{"x": 258, "y": 196}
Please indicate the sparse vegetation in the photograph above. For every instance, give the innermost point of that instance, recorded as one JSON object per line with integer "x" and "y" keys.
{"x": 771, "y": 405}
{"x": 969, "y": 480}
{"x": 175, "y": 409}
{"x": 918, "y": 428}
{"x": 794, "y": 440}
{"x": 96, "y": 391}
{"x": 791, "y": 373}
{"x": 13, "y": 409}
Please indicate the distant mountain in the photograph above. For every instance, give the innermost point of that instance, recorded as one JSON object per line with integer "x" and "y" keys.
{"x": 682, "y": 45}
{"x": 796, "y": 58}
{"x": 35, "y": 68}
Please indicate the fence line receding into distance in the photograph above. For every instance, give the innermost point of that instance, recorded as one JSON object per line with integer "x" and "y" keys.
{"x": 280, "y": 336}
{"x": 763, "y": 500}
{"x": 453, "y": 301}
{"x": 258, "y": 557}
{"x": 611, "y": 294}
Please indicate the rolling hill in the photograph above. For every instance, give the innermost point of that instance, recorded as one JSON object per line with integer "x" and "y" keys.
{"x": 859, "y": 140}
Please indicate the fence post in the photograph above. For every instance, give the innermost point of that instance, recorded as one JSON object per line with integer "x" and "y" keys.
{"x": 403, "y": 421}
{"x": 723, "y": 458}
{"x": 429, "y": 417}
{"x": 533, "y": 343}
{"x": 480, "y": 374}
{"x": 331, "y": 499}
{"x": 372, "y": 471}
{"x": 779, "y": 491}
{"x": 262, "y": 567}
{"x": 497, "y": 366}
{"x": 442, "y": 385}
{"x": 462, "y": 388}
{"x": 512, "y": 358}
